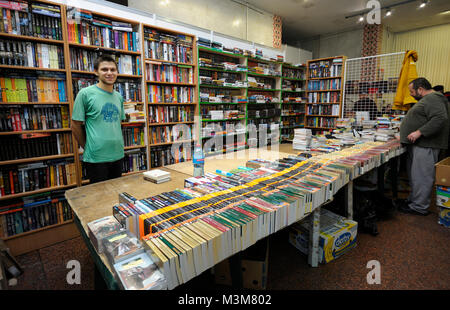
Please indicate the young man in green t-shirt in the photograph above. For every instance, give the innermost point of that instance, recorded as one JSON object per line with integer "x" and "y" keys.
{"x": 100, "y": 107}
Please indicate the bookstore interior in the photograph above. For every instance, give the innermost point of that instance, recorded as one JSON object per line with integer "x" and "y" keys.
{"x": 228, "y": 146}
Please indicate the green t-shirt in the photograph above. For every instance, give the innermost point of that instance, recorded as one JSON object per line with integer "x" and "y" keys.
{"x": 102, "y": 113}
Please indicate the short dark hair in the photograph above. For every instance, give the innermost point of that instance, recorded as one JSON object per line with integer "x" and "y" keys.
{"x": 421, "y": 82}
{"x": 102, "y": 58}
{"x": 439, "y": 88}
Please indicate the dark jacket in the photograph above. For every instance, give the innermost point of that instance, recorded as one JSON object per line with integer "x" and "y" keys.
{"x": 430, "y": 115}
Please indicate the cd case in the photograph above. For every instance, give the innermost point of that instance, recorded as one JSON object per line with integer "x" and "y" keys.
{"x": 102, "y": 228}
{"x": 121, "y": 246}
{"x": 140, "y": 273}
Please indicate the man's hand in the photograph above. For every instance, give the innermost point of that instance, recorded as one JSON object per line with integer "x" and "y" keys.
{"x": 413, "y": 136}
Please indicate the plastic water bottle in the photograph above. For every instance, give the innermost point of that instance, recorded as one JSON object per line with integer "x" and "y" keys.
{"x": 199, "y": 161}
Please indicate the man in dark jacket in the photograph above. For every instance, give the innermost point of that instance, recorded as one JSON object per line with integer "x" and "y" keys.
{"x": 424, "y": 131}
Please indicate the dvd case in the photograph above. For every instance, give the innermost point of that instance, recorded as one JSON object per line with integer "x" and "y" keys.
{"x": 101, "y": 228}
{"x": 140, "y": 273}
{"x": 121, "y": 246}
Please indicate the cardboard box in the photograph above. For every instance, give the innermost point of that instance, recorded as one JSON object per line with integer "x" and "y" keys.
{"x": 337, "y": 236}
{"x": 443, "y": 172}
{"x": 443, "y": 196}
{"x": 254, "y": 266}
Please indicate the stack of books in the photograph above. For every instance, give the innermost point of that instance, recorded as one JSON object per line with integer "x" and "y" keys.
{"x": 383, "y": 122}
{"x": 302, "y": 139}
{"x": 384, "y": 134}
{"x": 157, "y": 176}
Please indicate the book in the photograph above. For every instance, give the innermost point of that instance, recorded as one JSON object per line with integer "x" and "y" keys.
{"x": 157, "y": 176}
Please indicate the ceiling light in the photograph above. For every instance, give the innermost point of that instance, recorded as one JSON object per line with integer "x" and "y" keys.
{"x": 361, "y": 18}
{"x": 423, "y": 4}
{"x": 164, "y": 2}
{"x": 388, "y": 13}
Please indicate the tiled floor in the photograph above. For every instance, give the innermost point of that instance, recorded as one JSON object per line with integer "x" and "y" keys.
{"x": 413, "y": 251}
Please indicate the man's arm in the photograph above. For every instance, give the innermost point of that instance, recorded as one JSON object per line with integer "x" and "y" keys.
{"x": 78, "y": 132}
{"x": 437, "y": 116}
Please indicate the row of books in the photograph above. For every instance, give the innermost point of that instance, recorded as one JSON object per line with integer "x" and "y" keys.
{"x": 161, "y": 50}
{"x": 219, "y": 128}
{"x": 170, "y": 94}
{"x": 32, "y": 89}
{"x": 134, "y": 160}
{"x": 41, "y": 20}
{"x": 293, "y": 73}
{"x": 293, "y": 121}
{"x": 35, "y": 117}
{"x": 167, "y": 155}
{"x": 130, "y": 90}
{"x": 324, "y": 84}
{"x": 20, "y": 146}
{"x": 293, "y": 98}
{"x": 30, "y": 54}
{"x": 289, "y": 85}
{"x": 292, "y": 109}
{"x": 28, "y": 216}
{"x": 325, "y": 68}
{"x": 163, "y": 134}
{"x": 133, "y": 135}
{"x": 34, "y": 176}
{"x": 323, "y": 109}
{"x": 157, "y": 72}
{"x": 219, "y": 114}
{"x": 324, "y": 97}
{"x": 221, "y": 62}
{"x": 168, "y": 114}
{"x": 85, "y": 28}
{"x": 84, "y": 60}
{"x": 263, "y": 68}
{"x": 321, "y": 122}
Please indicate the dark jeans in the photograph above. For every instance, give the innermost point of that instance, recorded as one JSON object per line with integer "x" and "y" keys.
{"x": 97, "y": 172}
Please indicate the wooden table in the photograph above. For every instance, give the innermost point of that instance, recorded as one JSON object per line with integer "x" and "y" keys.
{"x": 95, "y": 201}
{"x": 229, "y": 161}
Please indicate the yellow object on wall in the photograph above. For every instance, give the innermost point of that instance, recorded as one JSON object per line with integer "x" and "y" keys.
{"x": 408, "y": 73}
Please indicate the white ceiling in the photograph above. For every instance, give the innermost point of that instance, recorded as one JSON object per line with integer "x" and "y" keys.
{"x": 303, "y": 19}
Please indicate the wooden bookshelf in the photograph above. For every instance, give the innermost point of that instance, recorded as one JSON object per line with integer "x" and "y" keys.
{"x": 19, "y": 239}
{"x": 324, "y": 102}
{"x": 170, "y": 100}
{"x": 124, "y": 47}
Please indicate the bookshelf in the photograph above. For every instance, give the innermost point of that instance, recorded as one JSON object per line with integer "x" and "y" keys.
{"x": 222, "y": 100}
{"x": 37, "y": 161}
{"x": 293, "y": 99}
{"x": 324, "y": 92}
{"x": 91, "y": 34}
{"x": 264, "y": 100}
{"x": 170, "y": 70}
